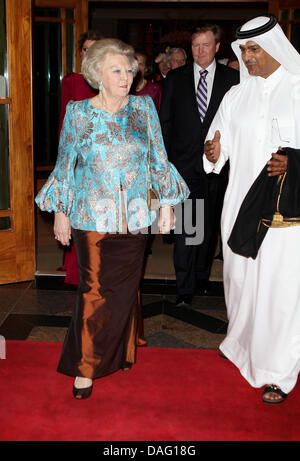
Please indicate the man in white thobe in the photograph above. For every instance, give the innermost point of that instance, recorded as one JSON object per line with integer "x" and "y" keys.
{"x": 262, "y": 295}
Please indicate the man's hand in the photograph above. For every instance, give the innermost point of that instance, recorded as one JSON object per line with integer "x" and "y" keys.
{"x": 160, "y": 58}
{"x": 166, "y": 220}
{"x": 62, "y": 228}
{"x": 278, "y": 164}
{"x": 212, "y": 148}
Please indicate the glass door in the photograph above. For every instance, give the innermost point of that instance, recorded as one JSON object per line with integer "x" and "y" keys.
{"x": 57, "y": 25}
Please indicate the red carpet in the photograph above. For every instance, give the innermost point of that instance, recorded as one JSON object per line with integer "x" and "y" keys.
{"x": 169, "y": 395}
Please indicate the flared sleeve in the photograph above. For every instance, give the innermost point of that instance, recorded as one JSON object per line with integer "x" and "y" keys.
{"x": 164, "y": 177}
{"x": 58, "y": 192}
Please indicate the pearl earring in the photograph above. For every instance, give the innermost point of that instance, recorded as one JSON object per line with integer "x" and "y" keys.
{"x": 100, "y": 86}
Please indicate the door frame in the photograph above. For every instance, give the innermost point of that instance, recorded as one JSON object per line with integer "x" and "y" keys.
{"x": 17, "y": 244}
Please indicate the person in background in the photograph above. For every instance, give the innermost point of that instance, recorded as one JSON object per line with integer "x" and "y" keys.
{"x": 74, "y": 87}
{"x": 98, "y": 192}
{"x": 185, "y": 120}
{"x": 176, "y": 57}
{"x": 141, "y": 85}
{"x": 161, "y": 65}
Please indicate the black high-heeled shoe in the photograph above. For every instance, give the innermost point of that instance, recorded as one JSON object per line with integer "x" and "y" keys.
{"x": 127, "y": 366}
{"x": 82, "y": 393}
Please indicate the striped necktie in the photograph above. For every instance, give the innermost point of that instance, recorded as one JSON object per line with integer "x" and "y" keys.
{"x": 201, "y": 94}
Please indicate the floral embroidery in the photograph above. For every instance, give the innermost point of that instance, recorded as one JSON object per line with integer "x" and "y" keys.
{"x": 98, "y": 153}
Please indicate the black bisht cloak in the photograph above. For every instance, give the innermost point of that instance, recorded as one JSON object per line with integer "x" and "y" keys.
{"x": 261, "y": 202}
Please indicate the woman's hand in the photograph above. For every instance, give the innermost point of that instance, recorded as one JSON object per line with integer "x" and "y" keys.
{"x": 278, "y": 164}
{"x": 212, "y": 148}
{"x": 166, "y": 220}
{"x": 62, "y": 228}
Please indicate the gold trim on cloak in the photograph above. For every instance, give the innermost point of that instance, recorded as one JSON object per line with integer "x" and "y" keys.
{"x": 278, "y": 219}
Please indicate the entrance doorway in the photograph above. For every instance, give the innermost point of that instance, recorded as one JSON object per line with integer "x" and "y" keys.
{"x": 139, "y": 23}
{"x": 57, "y": 26}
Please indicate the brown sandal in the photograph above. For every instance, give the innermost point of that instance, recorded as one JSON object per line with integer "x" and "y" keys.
{"x": 275, "y": 390}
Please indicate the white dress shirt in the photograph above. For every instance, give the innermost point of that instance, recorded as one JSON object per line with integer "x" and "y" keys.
{"x": 209, "y": 78}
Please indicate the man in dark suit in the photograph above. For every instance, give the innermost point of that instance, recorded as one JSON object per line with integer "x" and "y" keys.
{"x": 184, "y": 132}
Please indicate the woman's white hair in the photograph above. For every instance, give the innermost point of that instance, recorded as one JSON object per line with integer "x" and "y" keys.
{"x": 92, "y": 63}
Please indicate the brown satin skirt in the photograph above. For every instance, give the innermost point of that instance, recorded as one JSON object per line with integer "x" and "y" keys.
{"x": 102, "y": 333}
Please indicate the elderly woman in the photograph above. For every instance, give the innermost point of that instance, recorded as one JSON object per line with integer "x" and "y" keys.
{"x": 98, "y": 192}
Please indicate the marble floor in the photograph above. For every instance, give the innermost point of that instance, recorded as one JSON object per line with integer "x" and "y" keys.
{"x": 30, "y": 313}
{"x": 41, "y": 309}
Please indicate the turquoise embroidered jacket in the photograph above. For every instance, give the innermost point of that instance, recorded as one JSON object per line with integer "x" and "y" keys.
{"x": 100, "y": 154}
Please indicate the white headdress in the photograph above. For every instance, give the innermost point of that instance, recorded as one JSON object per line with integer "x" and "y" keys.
{"x": 265, "y": 31}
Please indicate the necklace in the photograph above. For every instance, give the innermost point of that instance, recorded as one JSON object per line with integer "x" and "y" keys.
{"x": 102, "y": 104}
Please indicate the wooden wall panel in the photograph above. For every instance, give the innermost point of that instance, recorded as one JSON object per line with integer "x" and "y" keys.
{"x": 17, "y": 246}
